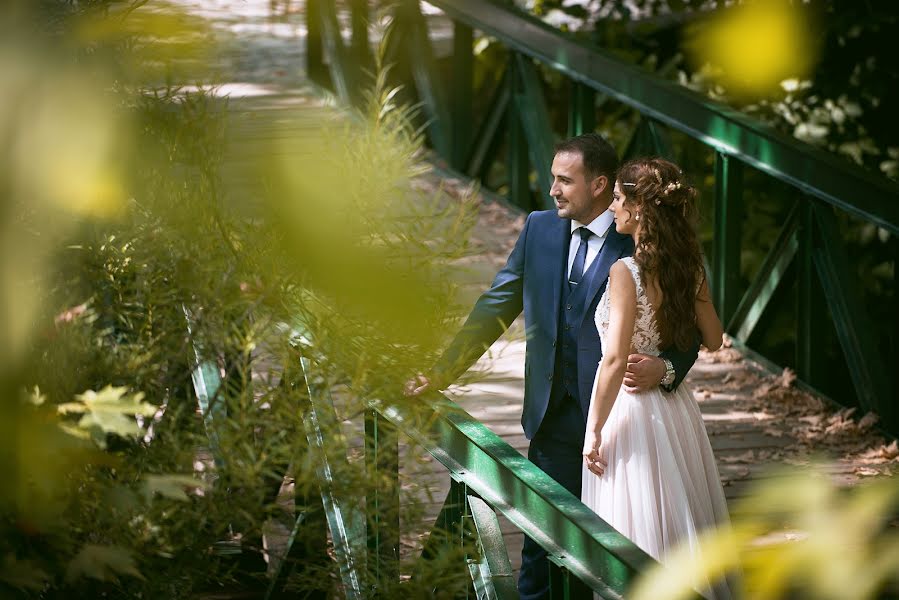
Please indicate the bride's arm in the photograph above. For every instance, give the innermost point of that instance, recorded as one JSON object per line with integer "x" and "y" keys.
{"x": 616, "y": 347}
{"x": 707, "y": 319}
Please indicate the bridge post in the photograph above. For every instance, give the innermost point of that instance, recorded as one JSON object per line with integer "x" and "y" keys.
{"x": 533, "y": 117}
{"x": 315, "y": 64}
{"x": 581, "y": 110}
{"x": 728, "y": 231}
{"x": 382, "y": 499}
{"x": 461, "y": 115}
{"x": 809, "y": 300}
{"x": 423, "y": 66}
{"x": 517, "y": 167}
{"x": 361, "y": 51}
{"x": 344, "y": 77}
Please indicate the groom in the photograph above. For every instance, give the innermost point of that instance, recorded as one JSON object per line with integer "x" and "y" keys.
{"x": 557, "y": 273}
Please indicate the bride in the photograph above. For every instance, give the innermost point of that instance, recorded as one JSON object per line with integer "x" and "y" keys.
{"x": 648, "y": 464}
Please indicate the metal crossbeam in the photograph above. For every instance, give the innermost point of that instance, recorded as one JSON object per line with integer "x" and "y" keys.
{"x": 207, "y": 383}
{"x": 849, "y": 317}
{"x": 345, "y": 518}
{"x": 648, "y": 138}
{"x": 488, "y": 136}
{"x": 766, "y": 282}
{"x": 492, "y": 573}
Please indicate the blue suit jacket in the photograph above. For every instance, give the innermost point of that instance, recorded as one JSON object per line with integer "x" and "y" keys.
{"x": 531, "y": 281}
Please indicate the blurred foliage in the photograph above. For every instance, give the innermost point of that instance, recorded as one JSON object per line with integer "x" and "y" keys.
{"x": 798, "y": 535}
{"x": 729, "y": 40}
{"x": 125, "y": 257}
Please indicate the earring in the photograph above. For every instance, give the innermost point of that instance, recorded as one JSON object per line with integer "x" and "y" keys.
{"x": 637, "y": 217}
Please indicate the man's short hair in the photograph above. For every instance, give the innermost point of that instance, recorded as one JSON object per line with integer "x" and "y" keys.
{"x": 598, "y": 154}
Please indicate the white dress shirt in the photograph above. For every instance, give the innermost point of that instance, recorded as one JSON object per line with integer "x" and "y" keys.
{"x": 599, "y": 226}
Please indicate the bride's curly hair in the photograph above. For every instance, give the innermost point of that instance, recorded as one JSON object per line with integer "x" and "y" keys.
{"x": 668, "y": 248}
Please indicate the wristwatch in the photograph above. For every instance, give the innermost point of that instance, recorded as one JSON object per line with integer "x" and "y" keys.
{"x": 668, "y": 379}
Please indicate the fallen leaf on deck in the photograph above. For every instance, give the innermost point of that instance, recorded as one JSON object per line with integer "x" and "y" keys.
{"x": 866, "y": 471}
{"x": 882, "y": 453}
{"x": 867, "y": 421}
{"x": 787, "y": 377}
{"x": 747, "y": 456}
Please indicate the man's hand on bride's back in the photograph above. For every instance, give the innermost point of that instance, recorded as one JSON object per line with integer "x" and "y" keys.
{"x": 417, "y": 385}
{"x": 644, "y": 372}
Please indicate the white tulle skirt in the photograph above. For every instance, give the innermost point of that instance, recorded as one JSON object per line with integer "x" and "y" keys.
{"x": 661, "y": 487}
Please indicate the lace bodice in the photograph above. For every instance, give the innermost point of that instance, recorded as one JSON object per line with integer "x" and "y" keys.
{"x": 646, "y": 338}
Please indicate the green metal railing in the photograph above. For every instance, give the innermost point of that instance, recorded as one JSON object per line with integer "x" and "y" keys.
{"x": 517, "y": 112}
{"x": 487, "y": 477}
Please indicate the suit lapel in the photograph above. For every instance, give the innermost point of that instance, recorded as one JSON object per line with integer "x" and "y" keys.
{"x": 614, "y": 248}
{"x": 557, "y": 252}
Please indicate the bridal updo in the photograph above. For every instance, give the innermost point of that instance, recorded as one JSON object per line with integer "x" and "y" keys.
{"x": 668, "y": 250}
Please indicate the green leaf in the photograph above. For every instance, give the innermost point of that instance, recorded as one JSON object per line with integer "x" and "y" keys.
{"x": 170, "y": 486}
{"x": 111, "y": 410}
{"x": 102, "y": 562}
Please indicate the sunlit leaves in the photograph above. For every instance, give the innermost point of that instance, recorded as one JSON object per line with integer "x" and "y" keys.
{"x": 354, "y": 228}
{"x": 61, "y": 164}
{"x": 755, "y": 46}
{"x": 798, "y": 535}
{"x": 111, "y": 410}
{"x": 104, "y": 563}
{"x": 171, "y": 486}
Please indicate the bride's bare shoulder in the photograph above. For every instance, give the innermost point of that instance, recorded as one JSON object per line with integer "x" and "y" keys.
{"x": 621, "y": 278}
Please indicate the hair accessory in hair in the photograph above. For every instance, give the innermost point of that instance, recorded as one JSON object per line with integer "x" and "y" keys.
{"x": 629, "y": 184}
{"x": 674, "y": 185}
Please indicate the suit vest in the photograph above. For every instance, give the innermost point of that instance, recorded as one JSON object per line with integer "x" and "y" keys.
{"x": 564, "y": 418}
{"x": 571, "y": 314}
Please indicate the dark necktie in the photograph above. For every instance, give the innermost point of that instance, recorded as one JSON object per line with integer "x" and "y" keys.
{"x": 580, "y": 259}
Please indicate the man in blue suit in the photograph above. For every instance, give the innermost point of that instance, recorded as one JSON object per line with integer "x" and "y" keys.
{"x": 557, "y": 273}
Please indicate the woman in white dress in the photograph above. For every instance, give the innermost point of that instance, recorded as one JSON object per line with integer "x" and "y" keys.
{"x": 649, "y": 470}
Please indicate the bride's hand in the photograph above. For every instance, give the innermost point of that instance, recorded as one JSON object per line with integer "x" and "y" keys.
{"x": 591, "y": 452}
